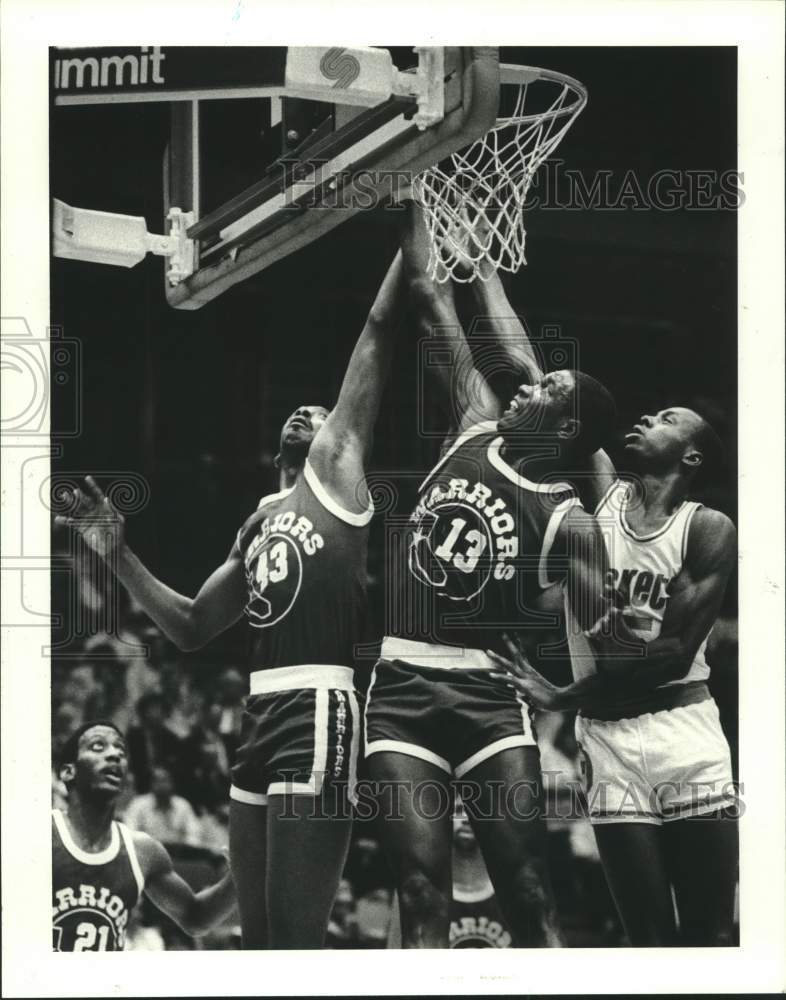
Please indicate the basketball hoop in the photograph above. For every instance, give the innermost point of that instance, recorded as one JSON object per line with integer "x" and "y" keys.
{"x": 474, "y": 201}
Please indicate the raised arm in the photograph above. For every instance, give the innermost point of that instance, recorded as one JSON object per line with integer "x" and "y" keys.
{"x": 496, "y": 320}
{"x": 497, "y": 324}
{"x": 340, "y": 450}
{"x": 580, "y": 547}
{"x": 188, "y": 622}
{"x": 194, "y": 912}
{"x": 470, "y": 397}
{"x": 600, "y": 475}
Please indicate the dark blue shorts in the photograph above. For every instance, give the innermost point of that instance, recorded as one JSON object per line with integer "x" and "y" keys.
{"x": 455, "y": 719}
{"x": 300, "y": 732}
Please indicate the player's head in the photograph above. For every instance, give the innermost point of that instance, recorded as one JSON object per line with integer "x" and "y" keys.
{"x": 161, "y": 784}
{"x": 93, "y": 761}
{"x": 344, "y": 902}
{"x": 299, "y": 430}
{"x": 464, "y": 841}
{"x": 674, "y": 440}
{"x": 567, "y": 407}
{"x": 151, "y": 709}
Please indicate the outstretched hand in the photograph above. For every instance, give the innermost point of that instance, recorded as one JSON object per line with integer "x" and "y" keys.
{"x": 521, "y": 675}
{"x": 95, "y": 519}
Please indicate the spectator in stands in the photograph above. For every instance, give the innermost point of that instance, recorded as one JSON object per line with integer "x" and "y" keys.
{"x": 342, "y": 929}
{"x": 162, "y": 814}
{"x": 373, "y": 918}
{"x": 109, "y": 671}
{"x": 215, "y": 828}
{"x": 66, "y": 718}
{"x": 206, "y": 784}
{"x": 142, "y": 673}
{"x": 151, "y": 744}
{"x": 366, "y": 866}
{"x": 81, "y": 690}
{"x": 231, "y": 689}
{"x": 186, "y": 699}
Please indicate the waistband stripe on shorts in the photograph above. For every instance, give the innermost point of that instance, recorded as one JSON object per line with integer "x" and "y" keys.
{"x": 322, "y": 676}
{"x": 428, "y": 654}
{"x": 662, "y": 699}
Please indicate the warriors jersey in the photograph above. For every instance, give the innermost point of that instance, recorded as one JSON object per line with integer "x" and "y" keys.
{"x": 474, "y": 557}
{"x": 93, "y": 894}
{"x": 305, "y": 564}
{"x": 476, "y": 920}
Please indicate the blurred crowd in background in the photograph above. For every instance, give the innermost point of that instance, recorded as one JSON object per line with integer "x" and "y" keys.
{"x": 190, "y": 403}
{"x": 181, "y": 716}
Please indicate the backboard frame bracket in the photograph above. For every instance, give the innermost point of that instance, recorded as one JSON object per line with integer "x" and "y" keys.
{"x": 254, "y": 241}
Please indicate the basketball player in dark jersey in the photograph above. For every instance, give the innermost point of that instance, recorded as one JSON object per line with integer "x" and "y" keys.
{"x": 100, "y": 867}
{"x": 656, "y": 763}
{"x": 476, "y": 920}
{"x": 297, "y": 569}
{"x": 495, "y": 525}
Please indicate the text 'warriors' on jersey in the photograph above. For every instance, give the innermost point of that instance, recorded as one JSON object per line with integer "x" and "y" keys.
{"x": 476, "y": 920}
{"x": 93, "y": 894}
{"x": 305, "y": 564}
{"x": 475, "y": 553}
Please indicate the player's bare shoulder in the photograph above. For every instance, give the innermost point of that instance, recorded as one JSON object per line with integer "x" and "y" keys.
{"x": 711, "y": 544}
{"x": 578, "y": 523}
{"x": 151, "y": 854}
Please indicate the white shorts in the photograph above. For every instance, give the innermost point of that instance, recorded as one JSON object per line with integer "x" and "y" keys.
{"x": 657, "y": 767}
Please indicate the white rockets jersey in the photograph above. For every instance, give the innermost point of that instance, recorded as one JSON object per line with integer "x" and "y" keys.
{"x": 643, "y": 569}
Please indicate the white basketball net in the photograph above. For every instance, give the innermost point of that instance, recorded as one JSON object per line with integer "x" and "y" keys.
{"x": 474, "y": 201}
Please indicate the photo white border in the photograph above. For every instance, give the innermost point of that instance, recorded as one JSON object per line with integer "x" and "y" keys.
{"x": 756, "y": 27}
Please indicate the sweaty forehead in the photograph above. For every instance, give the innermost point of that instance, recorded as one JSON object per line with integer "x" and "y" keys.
{"x": 315, "y": 409}
{"x": 687, "y": 418}
{"x": 101, "y": 733}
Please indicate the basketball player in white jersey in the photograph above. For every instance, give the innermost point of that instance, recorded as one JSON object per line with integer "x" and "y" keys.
{"x": 100, "y": 867}
{"x": 297, "y": 569}
{"x": 656, "y": 763}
